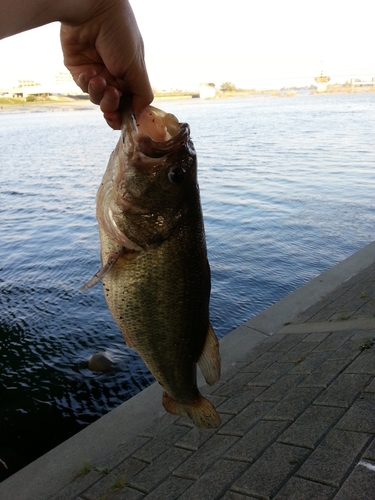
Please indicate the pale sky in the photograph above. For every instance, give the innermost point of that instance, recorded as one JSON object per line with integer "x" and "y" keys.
{"x": 241, "y": 41}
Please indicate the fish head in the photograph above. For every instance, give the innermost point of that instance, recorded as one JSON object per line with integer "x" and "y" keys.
{"x": 150, "y": 187}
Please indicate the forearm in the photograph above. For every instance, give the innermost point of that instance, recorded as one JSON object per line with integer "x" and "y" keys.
{"x": 22, "y": 15}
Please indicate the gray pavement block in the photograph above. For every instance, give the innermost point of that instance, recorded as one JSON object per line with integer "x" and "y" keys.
{"x": 268, "y": 474}
{"x": 236, "y": 383}
{"x": 232, "y": 495}
{"x": 246, "y": 419}
{"x": 153, "y": 475}
{"x": 369, "y": 453}
{"x": 271, "y": 374}
{"x": 316, "y": 337}
{"x": 158, "y": 445}
{"x": 336, "y": 339}
{"x": 121, "y": 453}
{"x": 294, "y": 403}
{"x": 240, "y": 400}
{"x": 371, "y": 386}
{"x": 365, "y": 363}
{"x": 123, "y": 493}
{"x": 78, "y": 485}
{"x": 202, "y": 459}
{"x": 301, "y": 489}
{"x": 281, "y": 388}
{"x": 289, "y": 342}
{"x": 117, "y": 477}
{"x": 158, "y": 426}
{"x": 360, "y": 485}
{"x": 195, "y": 438}
{"x": 263, "y": 362}
{"x": 361, "y": 416}
{"x": 254, "y": 443}
{"x": 171, "y": 489}
{"x": 216, "y": 481}
{"x": 311, "y": 426}
{"x": 334, "y": 457}
{"x": 344, "y": 390}
{"x": 325, "y": 373}
{"x": 307, "y": 364}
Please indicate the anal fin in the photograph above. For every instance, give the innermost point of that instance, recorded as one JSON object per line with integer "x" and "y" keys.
{"x": 209, "y": 361}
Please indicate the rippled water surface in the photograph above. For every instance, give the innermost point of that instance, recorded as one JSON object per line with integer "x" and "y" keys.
{"x": 287, "y": 189}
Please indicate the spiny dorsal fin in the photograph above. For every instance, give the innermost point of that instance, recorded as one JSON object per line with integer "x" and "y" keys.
{"x": 103, "y": 271}
{"x": 209, "y": 361}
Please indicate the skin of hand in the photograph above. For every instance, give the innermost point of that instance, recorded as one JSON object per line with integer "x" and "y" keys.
{"x": 105, "y": 55}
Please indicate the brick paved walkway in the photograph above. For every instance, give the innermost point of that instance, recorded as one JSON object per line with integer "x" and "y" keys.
{"x": 298, "y": 420}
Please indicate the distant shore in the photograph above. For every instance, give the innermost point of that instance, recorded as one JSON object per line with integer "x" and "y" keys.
{"x": 68, "y": 103}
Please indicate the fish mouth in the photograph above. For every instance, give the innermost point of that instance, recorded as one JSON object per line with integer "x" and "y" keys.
{"x": 153, "y": 133}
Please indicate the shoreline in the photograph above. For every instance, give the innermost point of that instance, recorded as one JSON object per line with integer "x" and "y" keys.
{"x": 78, "y": 104}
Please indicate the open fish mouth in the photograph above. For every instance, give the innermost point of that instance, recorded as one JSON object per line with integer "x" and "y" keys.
{"x": 154, "y": 133}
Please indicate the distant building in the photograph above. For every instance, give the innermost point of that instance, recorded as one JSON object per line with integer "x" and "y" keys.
{"x": 322, "y": 82}
{"x": 207, "y": 90}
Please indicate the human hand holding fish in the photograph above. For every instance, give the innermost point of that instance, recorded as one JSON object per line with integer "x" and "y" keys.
{"x": 155, "y": 272}
{"x": 101, "y": 43}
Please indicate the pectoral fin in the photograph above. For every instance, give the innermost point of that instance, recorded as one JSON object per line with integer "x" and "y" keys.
{"x": 103, "y": 271}
{"x": 210, "y": 361}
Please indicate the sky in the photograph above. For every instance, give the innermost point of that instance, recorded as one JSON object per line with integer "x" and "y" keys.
{"x": 254, "y": 44}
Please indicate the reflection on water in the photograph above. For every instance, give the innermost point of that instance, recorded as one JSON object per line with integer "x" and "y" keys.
{"x": 287, "y": 191}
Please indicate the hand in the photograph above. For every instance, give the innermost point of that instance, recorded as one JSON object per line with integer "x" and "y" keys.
{"x": 105, "y": 55}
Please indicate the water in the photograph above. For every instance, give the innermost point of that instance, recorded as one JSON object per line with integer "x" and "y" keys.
{"x": 287, "y": 187}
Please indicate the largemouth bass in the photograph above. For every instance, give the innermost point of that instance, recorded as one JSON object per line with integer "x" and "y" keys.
{"x": 155, "y": 272}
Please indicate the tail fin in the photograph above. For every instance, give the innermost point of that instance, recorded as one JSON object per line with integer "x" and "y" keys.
{"x": 201, "y": 411}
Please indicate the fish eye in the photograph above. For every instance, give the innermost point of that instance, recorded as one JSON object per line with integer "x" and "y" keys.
{"x": 176, "y": 174}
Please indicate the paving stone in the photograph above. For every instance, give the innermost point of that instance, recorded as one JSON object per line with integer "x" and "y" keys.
{"x": 196, "y": 437}
{"x": 263, "y": 362}
{"x": 325, "y": 373}
{"x": 253, "y": 444}
{"x": 121, "y": 453}
{"x": 298, "y": 352}
{"x": 125, "y": 493}
{"x": 334, "y": 457}
{"x": 365, "y": 363}
{"x": 152, "y": 475}
{"x": 271, "y": 374}
{"x": 294, "y": 403}
{"x": 334, "y": 341}
{"x": 301, "y": 489}
{"x": 201, "y": 460}
{"x": 155, "y": 447}
{"x": 216, "y": 481}
{"x": 267, "y": 475}
{"x": 240, "y": 400}
{"x": 159, "y": 425}
{"x": 309, "y": 363}
{"x": 126, "y": 470}
{"x": 232, "y": 495}
{"x": 361, "y": 483}
{"x": 344, "y": 390}
{"x": 288, "y": 342}
{"x": 348, "y": 351}
{"x": 369, "y": 454}
{"x": 235, "y": 384}
{"x": 78, "y": 486}
{"x": 171, "y": 489}
{"x": 315, "y": 337}
{"x": 246, "y": 419}
{"x": 371, "y": 386}
{"x": 311, "y": 426}
{"x": 280, "y": 389}
{"x": 361, "y": 416}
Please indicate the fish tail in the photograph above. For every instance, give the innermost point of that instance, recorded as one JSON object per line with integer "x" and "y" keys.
{"x": 201, "y": 411}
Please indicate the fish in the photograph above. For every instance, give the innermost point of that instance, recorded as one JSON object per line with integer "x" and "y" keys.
{"x": 155, "y": 271}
